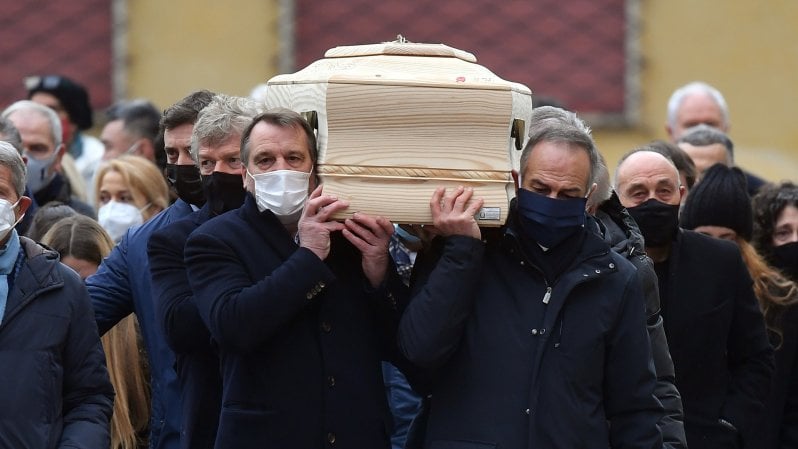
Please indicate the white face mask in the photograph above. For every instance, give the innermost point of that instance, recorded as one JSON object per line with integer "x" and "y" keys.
{"x": 283, "y": 192}
{"x": 117, "y": 217}
{"x": 7, "y": 218}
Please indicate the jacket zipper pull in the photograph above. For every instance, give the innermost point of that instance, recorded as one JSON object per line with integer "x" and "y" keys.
{"x": 547, "y": 296}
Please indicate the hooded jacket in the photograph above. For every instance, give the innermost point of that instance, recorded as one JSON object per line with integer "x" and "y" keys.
{"x": 54, "y": 387}
{"x": 514, "y": 360}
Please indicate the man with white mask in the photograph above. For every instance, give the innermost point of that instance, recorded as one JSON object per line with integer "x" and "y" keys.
{"x": 55, "y": 390}
{"x": 302, "y": 307}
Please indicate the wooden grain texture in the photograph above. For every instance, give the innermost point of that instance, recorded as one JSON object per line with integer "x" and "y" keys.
{"x": 407, "y": 200}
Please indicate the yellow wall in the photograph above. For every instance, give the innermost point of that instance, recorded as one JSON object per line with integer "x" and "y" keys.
{"x": 178, "y": 46}
{"x": 749, "y": 50}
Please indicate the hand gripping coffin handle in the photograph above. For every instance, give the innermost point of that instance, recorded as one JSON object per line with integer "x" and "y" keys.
{"x": 517, "y": 133}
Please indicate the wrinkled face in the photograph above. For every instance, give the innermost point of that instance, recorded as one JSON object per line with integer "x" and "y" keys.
{"x": 277, "y": 148}
{"x": 177, "y": 144}
{"x": 37, "y": 137}
{"x": 706, "y": 156}
{"x": 645, "y": 175}
{"x": 225, "y": 158}
{"x": 697, "y": 109}
{"x": 719, "y": 232}
{"x": 786, "y": 228}
{"x": 116, "y": 139}
{"x": 559, "y": 170}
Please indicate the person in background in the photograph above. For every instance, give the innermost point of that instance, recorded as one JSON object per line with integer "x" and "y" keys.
{"x": 776, "y": 226}
{"x": 775, "y": 236}
{"x": 699, "y": 103}
{"x": 132, "y": 128}
{"x": 46, "y": 217}
{"x": 71, "y": 102}
{"x": 622, "y": 234}
{"x": 129, "y": 190}
{"x": 10, "y": 134}
{"x": 40, "y": 130}
{"x": 706, "y": 147}
{"x": 122, "y": 284}
{"x": 682, "y": 161}
{"x": 707, "y": 296}
{"x": 215, "y": 147}
{"x": 55, "y": 391}
{"x": 82, "y": 244}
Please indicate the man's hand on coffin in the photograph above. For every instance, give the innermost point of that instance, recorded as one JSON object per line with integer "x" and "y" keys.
{"x": 453, "y": 212}
{"x": 370, "y": 235}
{"x": 315, "y": 224}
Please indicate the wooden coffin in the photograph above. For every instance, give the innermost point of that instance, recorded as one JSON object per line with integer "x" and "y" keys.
{"x": 396, "y": 120}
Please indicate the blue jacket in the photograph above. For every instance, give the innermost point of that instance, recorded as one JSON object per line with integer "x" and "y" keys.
{"x": 120, "y": 287}
{"x": 197, "y": 363}
{"x": 54, "y": 388}
{"x": 300, "y": 339}
{"x": 515, "y": 361}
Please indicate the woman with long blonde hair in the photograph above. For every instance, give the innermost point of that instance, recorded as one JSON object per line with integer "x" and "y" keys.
{"x": 82, "y": 244}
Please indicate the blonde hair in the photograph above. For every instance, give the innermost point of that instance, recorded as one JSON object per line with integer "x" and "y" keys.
{"x": 773, "y": 291}
{"x": 81, "y": 237}
{"x": 142, "y": 177}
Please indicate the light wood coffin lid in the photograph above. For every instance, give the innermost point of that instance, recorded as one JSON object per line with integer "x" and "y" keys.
{"x": 395, "y": 120}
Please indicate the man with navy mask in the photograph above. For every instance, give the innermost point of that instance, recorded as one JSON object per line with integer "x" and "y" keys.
{"x": 122, "y": 284}
{"x": 532, "y": 335}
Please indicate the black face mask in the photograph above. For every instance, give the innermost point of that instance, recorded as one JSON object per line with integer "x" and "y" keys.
{"x": 186, "y": 180}
{"x": 657, "y": 221}
{"x": 785, "y": 258}
{"x": 223, "y": 191}
{"x": 550, "y": 221}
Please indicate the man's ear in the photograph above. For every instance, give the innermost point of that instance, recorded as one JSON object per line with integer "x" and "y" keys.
{"x": 24, "y": 204}
{"x": 147, "y": 149}
{"x": 516, "y": 180}
{"x": 56, "y": 167}
{"x": 244, "y": 176}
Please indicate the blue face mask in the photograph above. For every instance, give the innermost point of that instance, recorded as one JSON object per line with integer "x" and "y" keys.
{"x": 547, "y": 220}
{"x": 39, "y": 174}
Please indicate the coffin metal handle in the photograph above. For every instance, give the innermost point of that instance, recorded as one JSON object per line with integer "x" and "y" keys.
{"x": 517, "y": 133}
{"x": 312, "y": 118}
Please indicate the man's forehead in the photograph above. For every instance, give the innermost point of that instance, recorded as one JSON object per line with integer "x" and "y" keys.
{"x": 646, "y": 164}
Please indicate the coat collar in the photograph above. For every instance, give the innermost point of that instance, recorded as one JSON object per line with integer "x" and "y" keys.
{"x": 267, "y": 226}
{"x": 37, "y": 275}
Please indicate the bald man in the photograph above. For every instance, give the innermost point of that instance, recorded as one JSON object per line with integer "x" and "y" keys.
{"x": 712, "y": 320}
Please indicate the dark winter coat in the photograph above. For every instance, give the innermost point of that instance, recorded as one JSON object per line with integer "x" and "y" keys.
{"x": 717, "y": 338}
{"x": 54, "y": 387}
{"x": 196, "y": 361}
{"x": 300, "y": 339}
{"x": 506, "y": 370}
{"x": 622, "y": 234}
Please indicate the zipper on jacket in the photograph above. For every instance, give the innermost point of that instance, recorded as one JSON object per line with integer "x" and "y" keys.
{"x": 547, "y": 296}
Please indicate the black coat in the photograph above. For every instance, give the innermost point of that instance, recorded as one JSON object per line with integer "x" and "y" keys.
{"x": 506, "y": 370}
{"x": 623, "y": 235}
{"x": 777, "y": 427}
{"x": 54, "y": 387}
{"x": 196, "y": 360}
{"x": 717, "y": 338}
{"x": 300, "y": 339}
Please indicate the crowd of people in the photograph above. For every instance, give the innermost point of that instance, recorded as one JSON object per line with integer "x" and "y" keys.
{"x": 181, "y": 283}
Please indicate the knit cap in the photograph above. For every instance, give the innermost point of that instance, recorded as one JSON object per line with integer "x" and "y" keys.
{"x": 720, "y": 199}
{"x": 73, "y": 96}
